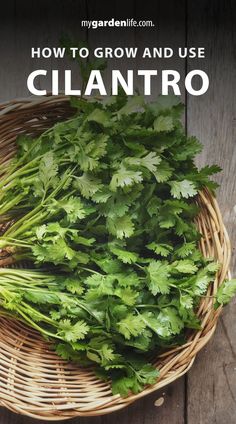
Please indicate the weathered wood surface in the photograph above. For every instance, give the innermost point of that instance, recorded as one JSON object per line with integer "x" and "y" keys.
{"x": 211, "y": 384}
{"x": 208, "y": 394}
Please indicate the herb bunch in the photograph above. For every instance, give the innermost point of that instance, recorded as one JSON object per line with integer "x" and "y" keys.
{"x": 102, "y": 207}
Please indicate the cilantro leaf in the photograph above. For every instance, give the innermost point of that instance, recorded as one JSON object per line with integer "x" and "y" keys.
{"x": 150, "y": 161}
{"x": 124, "y": 178}
{"x": 163, "y": 123}
{"x": 183, "y": 188}
{"x": 131, "y": 326}
{"x": 186, "y": 249}
{"x": 162, "y": 249}
{"x": 48, "y": 171}
{"x": 185, "y": 266}
{"x": 121, "y": 227}
{"x": 158, "y": 273}
{"x": 74, "y": 208}
{"x": 225, "y": 292}
{"x": 163, "y": 171}
{"x": 72, "y": 332}
{"x": 88, "y": 185}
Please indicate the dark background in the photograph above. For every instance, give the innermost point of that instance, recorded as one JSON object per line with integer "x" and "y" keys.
{"x": 207, "y": 394}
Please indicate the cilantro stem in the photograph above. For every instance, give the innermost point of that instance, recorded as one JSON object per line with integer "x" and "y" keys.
{"x": 8, "y": 241}
{"x": 26, "y": 273}
{"x": 19, "y": 172}
{"x": 5, "y": 207}
{"x": 148, "y": 306}
{"x": 36, "y": 326}
{"x": 90, "y": 312}
{"x": 139, "y": 266}
{"x": 30, "y": 219}
{"x": 89, "y": 270}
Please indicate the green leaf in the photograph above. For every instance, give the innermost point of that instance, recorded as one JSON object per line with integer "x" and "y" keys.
{"x": 100, "y": 117}
{"x": 159, "y": 272}
{"x": 102, "y": 284}
{"x": 124, "y": 255}
{"x": 128, "y": 279}
{"x": 225, "y": 292}
{"x": 185, "y": 266}
{"x": 121, "y": 227}
{"x": 186, "y": 301}
{"x": 170, "y": 321}
{"x": 47, "y": 176}
{"x": 127, "y": 295}
{"x": 165, "y": 323}
{"x": 134, "y": 104}
{"x": 183, "y": 188}
{"x": 141, "y": 375}
{"x": 163, "y": 123}
{"x": 74, "y": 286}
{"x": 117, "y": 205}
{"x": 88, "y": 185}
{"x": 74, "y": 208}
{"x": 123, "y": 386}
{"x": 72, "y": 333}
{"x": 130, "y": 326}
{"x": 162, "y": 249}
{"x": 186, "y": 249}
{"x": 150, "y": 161}
{"x": 56, "y": 252}
{"x": 125, "y": 178}
{"x": 163, "y": 172}
{"x": 102, "y": 195}
{"x": 40, "y": 296}
{"x": 164, "y": 103}
{"x": 192, "y": 146}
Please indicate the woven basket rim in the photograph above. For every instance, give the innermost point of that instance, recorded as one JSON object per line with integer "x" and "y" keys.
{"x": 27, "y": 114}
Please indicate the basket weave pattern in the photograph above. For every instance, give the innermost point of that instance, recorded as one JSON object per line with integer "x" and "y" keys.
{"x": 34, "y": 381}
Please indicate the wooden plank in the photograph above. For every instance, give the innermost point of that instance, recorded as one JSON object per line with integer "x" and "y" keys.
{"x": 112, "y": 37}
{"x": 143, "y": 411}
{"x": 23, "y": 26}
{"x": 7, "y": 43}
{"x": 169, "y": 31}
{"x": 169, "y": 19}
{"x": 212, "y": 380}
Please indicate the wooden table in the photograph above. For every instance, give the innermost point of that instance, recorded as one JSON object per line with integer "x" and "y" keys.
{"x": 207, "y": 394}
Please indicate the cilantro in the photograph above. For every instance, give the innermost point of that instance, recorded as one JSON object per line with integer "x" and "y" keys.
{"x": 162, "y": 249}
{"x": 125, "y": 177}
{"x": 163, "y": 172}
{"x": 159, "y": 273}
{"x": 120, "y": 227}
{"x": 87, "y": 185}
{"x": 183, "y": 188}
{"x": 72, "y": 332}
{"x": 104, "y": 203}
{"x": 48, "y": 170}
{"x": 130, "y": 326}
{"x": 163, "y": 123}
{"x": 225, "y": 292}
{"x": 185, "y": 266}
{"x": 138, "y": 376}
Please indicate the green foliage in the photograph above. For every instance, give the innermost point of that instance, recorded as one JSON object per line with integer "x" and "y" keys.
{"x": 104, "y": 204}
{"x": 225, "y": 292}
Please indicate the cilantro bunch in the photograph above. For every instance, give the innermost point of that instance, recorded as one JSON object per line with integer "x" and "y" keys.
{"x": 102, "y": 208}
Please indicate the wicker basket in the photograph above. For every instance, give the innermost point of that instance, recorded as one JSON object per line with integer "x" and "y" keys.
{"x": 34, "y": 381}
